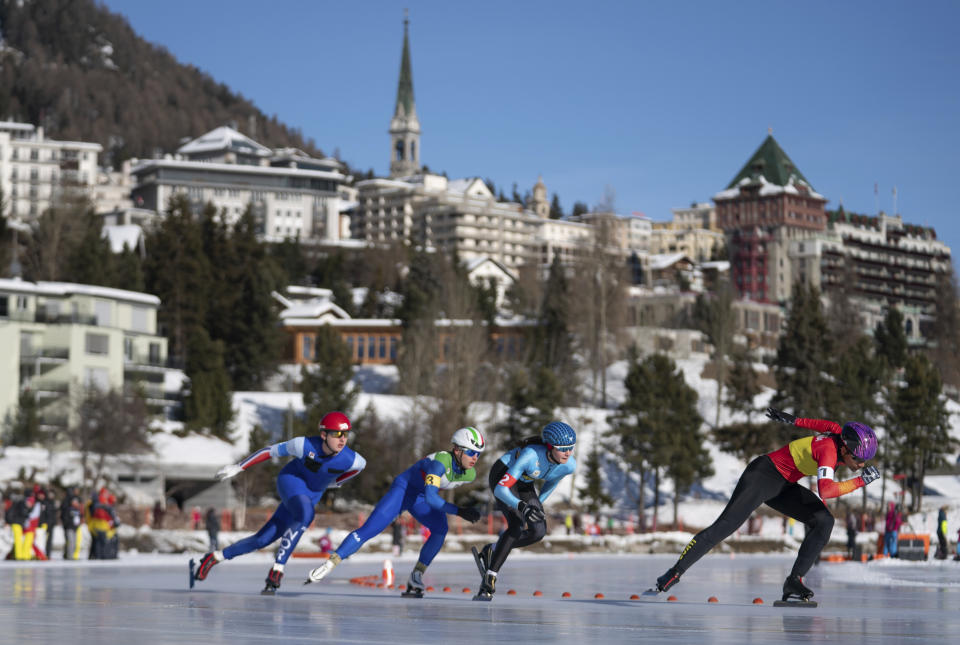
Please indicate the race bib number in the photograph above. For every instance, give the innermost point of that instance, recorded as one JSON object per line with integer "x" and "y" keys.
{"x": 432, "y": 480}
{"x": 507, "y": 480}
{"x": 825, "y": 472}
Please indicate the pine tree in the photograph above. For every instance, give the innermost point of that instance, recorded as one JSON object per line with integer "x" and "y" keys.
{"x": 178, "y": 272}
{"x": 252, "y": 332}
{"x": 551, "y": 343}
{"x": 89, "y": 260}
{"x": 579, "y": 208}
{"x": 327, "y": 384}
{"x": 207, "y": 405}
{"x": 533, "y": 395}
{"x": 803, "y": 357}
{"x": 22, "y": 427}
{"x": 556, "y": 211}
{"x": 714, "y": 316}
{"x": 593, "y": 491}
{"x": 126, "y": 270}
{"x": 891, "y": 339}
{"x": 289, "y": 257}
{"x": 944, "y": 333}
{"x": 919, "y": 434}
{"x": 659, "y": 427}
{"x": 746, "y": 439}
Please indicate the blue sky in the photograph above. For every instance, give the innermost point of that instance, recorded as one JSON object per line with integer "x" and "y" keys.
{"x": 662, "y": 101}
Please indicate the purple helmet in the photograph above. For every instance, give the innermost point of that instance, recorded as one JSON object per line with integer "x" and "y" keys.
{"x": 860, "y": 439}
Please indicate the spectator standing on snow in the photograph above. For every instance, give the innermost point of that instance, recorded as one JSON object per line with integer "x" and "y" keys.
{"x": 942, "y": 533}
{"x": 71, "y": 519}
{"x": 212, "y": 523}
{"x": 851, "y": 533}
{"x": 891, "y": 531}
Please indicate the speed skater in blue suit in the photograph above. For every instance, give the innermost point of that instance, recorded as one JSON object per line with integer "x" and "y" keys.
{"x": 547, "y": 458}
{"x": 417, "y": 490}
{"x": 319, "y": 462}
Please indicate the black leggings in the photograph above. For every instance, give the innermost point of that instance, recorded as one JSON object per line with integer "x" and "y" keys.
{"x": 762, "y": 483}
{"x": 515, "y": 536}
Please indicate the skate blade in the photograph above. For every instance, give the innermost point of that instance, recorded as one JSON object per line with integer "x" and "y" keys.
{"x": 478, "y": 560}
{"x": 268, "y": 592}
{"x": 411, "y": 594}
{"x": 651, "y": 592}
{"x": 809, "y": 604}
{"x": 193, "y": 569}
{"x": 483, "y": 598}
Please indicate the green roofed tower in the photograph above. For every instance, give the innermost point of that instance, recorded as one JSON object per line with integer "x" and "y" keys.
{"x": 404, "y": 126}
{"x": 772, "y": 163}
{"x": 768, "y": 206}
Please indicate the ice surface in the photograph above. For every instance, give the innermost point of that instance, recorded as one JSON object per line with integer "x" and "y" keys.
{"x": 145, "y": 600}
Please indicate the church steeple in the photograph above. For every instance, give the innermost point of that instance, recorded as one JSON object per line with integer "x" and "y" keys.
{"x": 404, "y": 126}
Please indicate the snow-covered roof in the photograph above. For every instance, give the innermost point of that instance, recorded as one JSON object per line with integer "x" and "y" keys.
{"x": 719, "y": 265}
{"x": 475, "y": 263}
{"x": 224, "y": 138}
{"x": 120, "y": 234}
{"x": 69, "y": 288}
{"x": 314, "y": 310}
{"x": 664, "y": 260}
{"x": 148, "y": 164}
{"x": 768, "y": 188}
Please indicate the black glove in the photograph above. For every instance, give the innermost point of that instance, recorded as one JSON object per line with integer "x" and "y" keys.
{"x": 469, "y": 513}
{"x": 869, "y": 474}
{"x": 780, "y": 416}
{"x": 530, "y": 513}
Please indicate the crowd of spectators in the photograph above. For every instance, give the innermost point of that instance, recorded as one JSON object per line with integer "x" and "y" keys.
{"x": 33, "y": 513}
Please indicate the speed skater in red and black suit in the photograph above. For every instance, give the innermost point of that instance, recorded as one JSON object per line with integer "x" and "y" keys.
{"x": 771, "y": 479}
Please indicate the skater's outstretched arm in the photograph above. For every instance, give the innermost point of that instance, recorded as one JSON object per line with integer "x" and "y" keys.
{"x": 291, "y": 448}
{"x": 818, "y": 425}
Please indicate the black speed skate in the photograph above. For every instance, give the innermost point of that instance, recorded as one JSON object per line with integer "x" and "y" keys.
{"x": 273, "y": 583}
{"x": 482, "y": 558}
{"x": 795, "y": 593}
{"x": 487, "y": 588}
{"x": 414, "y": 585}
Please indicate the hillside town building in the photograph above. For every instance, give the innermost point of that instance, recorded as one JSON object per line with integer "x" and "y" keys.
{"x": 36, "y": 171}
{"x": 62, "y": 337}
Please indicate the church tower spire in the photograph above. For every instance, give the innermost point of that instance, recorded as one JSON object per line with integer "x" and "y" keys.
{"x": 404, "y": 126}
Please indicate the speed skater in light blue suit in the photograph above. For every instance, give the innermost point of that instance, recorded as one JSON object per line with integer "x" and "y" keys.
{"x": 417, "y": 490}
{"x": 547, "y": 458}
{"x": 318, "y": 463}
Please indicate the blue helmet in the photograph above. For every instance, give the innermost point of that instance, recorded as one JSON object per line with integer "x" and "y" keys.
{"x": 558, "y": 434}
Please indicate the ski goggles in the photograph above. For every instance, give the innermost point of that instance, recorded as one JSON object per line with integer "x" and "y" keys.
{"x": 470, "y": 453}
{"x": 564, "y": 448}
{"x": 336, "y": 434}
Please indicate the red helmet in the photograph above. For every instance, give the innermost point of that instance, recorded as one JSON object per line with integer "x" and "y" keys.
{"x": 334, "y": 421}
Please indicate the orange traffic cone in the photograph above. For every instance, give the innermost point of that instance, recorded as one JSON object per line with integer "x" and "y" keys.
{"x": 387, "y": 573}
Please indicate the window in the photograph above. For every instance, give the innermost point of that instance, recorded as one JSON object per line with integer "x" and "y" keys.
{"x": 154, "y": 353}
{"x": 128, "y": 348}
{"x": 139, "y": 318}
{"x": 4, "y": 306}
{"x": 101, "y": 311}
{"x": 97, "y": 344}
{"x": 307, "y": 349}
{"x": 360, "y": 340}
{"x": 383, "y": 347}
{"x": 372, "y": 347}
{"x": 393, "y": 349}
{"x": 350, "y": 345}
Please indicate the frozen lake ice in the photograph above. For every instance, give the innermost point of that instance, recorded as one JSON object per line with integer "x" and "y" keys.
{"x": 145, "y": 600}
